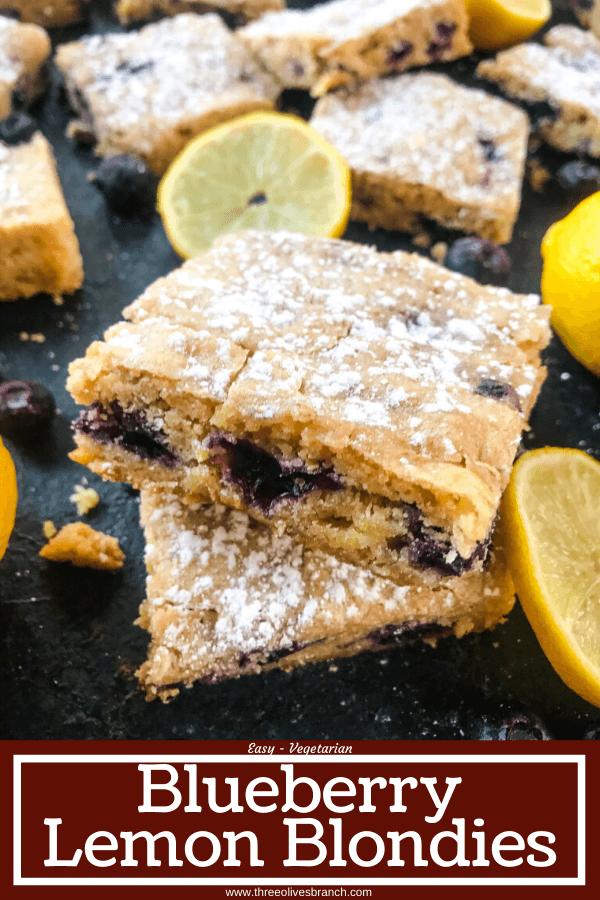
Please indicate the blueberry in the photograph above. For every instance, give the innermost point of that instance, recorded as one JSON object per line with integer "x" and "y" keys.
{"x": 263, "y": 480}
{"x": 479, "y": 259}
{"x": 499, "y": 390}
{"x": 577, "y": 177}
{"x": 25, "y": 406}
{"x": 442, "y": 40}
{"x": 17, "y": 128}
{"x": 127, "y": 184}
{"x": 399, "y": 54}
{"x": 514, "y": 727}
{"x": 113, "y": 425}
{"x": 489, "y": 149}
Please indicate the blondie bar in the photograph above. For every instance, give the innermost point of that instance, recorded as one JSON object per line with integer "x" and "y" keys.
{"x": 421, "y": 145}
{"x": 49, "y": 12}
{"x": 588, "y": 13}
{"x": 147, "y": 93}
{"x": 24, "y": 50}
{"x": 345, "y": 41}
{"x": 371, "y": 403}
{"x": 38, "y": 247}
{"x": 227, "y": 597}
{"x": 563, "y": 76}
{"x": 241, "y": 11}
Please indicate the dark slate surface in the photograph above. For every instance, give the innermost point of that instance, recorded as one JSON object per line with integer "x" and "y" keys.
{"x": 69, "y": 644}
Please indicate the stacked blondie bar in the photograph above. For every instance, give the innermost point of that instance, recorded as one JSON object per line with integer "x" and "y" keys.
{"x": 322, "y": 434}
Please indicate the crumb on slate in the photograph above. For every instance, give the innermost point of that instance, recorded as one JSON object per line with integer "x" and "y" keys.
{"x": 80, "y": 545}
{"x": 49, "y": 529}
{"x": 439, "y": 250}
{"x": 538, "y": 175}
{"x": 84, "y": 498}
{"x": 422, "y": 239}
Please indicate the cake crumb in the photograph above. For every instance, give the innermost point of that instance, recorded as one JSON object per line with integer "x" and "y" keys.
{"x": 439, "y": 250}
{"x": 37, "y": 338}
{"x": 538, "y": 175}
{"x": 84, "y": 498}
{"x": 58, "y": 300}
{"x": 422, "y": 239}
{"x": 49, "y": 529}
{"x": 23, "y": 335}
{"x": 80, "y": 545}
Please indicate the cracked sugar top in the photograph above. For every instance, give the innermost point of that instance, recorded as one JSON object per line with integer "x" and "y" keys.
{"x": 338, "y": 20}
{"x": 352, "y": 333}
{"x": 567, "y": 70}
{"x": 144, "y": 82}
{"x": 425, "y": 129}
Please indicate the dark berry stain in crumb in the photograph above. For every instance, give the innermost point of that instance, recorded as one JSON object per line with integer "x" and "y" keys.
{"x": 479, "y": 259}
{"x": 257, "y": 199}
{"x": 398, "y": 56}
{"x": 127, "y": 184}
{"x": 112, "y": 425}
{"x": 17, "y": 128}
{"x": 441, "y": 41}
{"x": 490, "y": 150}
{"x": 25, "y": 406}
{"x": 427, "y": 548}
{"x": 263, "y": 480}
{"x": 129, "y": 67}
{"x": 499, "y": 390}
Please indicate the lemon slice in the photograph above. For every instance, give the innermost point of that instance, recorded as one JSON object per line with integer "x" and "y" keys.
{"x": 265, "y": 170}
{"x": 551, "y": 520}
{"x": 571, "y": 280}
{"x": 8, "y": 497}
{"x": 501, "y": 23}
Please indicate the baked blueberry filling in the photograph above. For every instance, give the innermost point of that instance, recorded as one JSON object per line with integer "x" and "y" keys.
{"x": 134, "y": 68}
{"x": 17, "y": 128}
{"x": 398, "y": 55}
{"x": 408, "y": 632}
{"x": 427, "y": 549}
{"x": 112, "y": 425}
{"x": 263, "y": 480}
{"x": 490, "y": 150}
{"x": 441, "y": 41}
{"x": 499, "y": 390}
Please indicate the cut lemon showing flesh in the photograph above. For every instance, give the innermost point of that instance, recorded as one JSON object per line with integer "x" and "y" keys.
{"x": 496, "y": 24}
{"x": 266, "y": 170}
{"x": 551, "y": 515}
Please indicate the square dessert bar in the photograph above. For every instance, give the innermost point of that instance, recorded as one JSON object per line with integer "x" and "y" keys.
{"x": 562, "y": 79}
{"x": 369, "y": 403}
{"x": 588, "y": 13}
{"x": 345, "y": 41}
{"x": 227, "y": 597}
{"x": 240, "y": 11}
{"x": 149, "y": 92}
{"x": 38, "y": 247}
{"x": 421, "y": 145}
{"x": 50, "y": 12}
{"x": 24, "y": 49}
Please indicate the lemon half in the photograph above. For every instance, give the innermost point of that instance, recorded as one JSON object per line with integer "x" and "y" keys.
{"x": 571, "y": 280}
{"x": 8, "y": 497}
{"x": 551, "y": 516}
{"x": 264, "y": 170}
{"x": 496, "y": 24}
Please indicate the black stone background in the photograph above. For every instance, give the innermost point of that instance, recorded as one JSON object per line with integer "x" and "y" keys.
{"x": 70, "y": 647}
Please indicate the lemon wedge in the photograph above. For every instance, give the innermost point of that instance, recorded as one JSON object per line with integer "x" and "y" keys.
{"x": 551, "y": 516}
{"x": 264, "y": 170}
{"x": 8, "y": 497}
{"x": 496, "y": 24}
{"x": 571, "y": 280}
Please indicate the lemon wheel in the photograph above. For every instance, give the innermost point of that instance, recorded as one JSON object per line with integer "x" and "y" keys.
{"x": 552, "y": 533}
{"x": 8, "y": 497}
{"x": 265, "y": 170}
